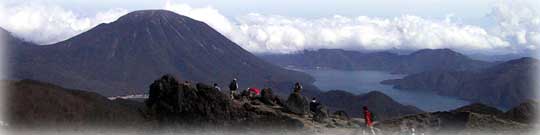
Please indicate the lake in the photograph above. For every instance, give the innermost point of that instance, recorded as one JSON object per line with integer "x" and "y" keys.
{"x": 360, "y": 82}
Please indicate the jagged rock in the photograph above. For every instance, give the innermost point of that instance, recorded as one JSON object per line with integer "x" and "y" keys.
{"x": 298, "y": 104}
{"x": 321, "y": 114}
{"x": 341, "y": 115}
{"x": 187, "y": 105}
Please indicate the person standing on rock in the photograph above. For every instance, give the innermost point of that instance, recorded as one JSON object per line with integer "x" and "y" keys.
{"x": 313, "y": 105}
{"x": 297, "y": 87}
{"x": 368, "y": 118}
{"x": 233, "y": 87}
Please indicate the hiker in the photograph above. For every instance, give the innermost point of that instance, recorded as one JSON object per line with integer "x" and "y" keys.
{"x": 217, "y": 87}
{"x": 297, "y": 87}
{"x": 233, "y": 87}
{"x": 313, "y": 105}
{"x": 368, "y": 118}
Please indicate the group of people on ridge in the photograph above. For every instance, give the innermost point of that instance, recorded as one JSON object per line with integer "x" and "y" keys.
{"x": 233, "y": 87}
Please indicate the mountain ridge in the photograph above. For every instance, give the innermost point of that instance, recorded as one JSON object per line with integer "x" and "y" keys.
{"x": 415, "y": 62}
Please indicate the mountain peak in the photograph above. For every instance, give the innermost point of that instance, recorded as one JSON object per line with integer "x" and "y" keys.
{"x": 153, "y": 16}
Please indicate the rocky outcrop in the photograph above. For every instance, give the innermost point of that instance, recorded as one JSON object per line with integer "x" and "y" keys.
{"x": 173, "y": 104}
{"x": 321, "y": 114}
{"x": 475, "y": 118}
{"x": 297, "y": 103}
{"x": 268, "y": 97}
{"x": 341, "y": 115}
{"x": 526, "y": 112}
{"x": 480, "y": 108}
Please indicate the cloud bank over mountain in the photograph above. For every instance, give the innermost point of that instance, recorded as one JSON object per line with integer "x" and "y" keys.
{"x": 515, "y": 29}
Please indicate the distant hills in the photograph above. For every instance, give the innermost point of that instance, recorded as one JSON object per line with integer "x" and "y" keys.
{"x": 383, "y": 106}
{"x": 504, "y": 85}
{"x": 416, "y": 62}
{"x": 33, "y": 104}
{"x": 124, "y": 56}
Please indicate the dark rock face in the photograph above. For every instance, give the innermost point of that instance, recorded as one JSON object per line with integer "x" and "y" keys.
{"x": 176, "y": 104}
{"x": 504, "y": 85}
{"x": 526, "y": 112}
{"x": 416, "y": 62}
{"x": 123, "y": 56}
{"x": 297, "y": 103}
{"x": 378, "y": 103}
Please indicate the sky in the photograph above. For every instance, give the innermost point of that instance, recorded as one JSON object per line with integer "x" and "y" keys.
{"x": 286, "y": 26}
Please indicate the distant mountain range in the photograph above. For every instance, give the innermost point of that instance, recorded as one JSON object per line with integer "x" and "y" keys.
{"x": 504, "y": 85}
{"x": 124, "y": 56}
{"x": 419, "y": 61}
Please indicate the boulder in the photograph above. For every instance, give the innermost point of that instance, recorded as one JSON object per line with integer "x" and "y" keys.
{"x": 297, "y": 104}
{"x": 321, "y": 114}
{"x": 342, "y": 115}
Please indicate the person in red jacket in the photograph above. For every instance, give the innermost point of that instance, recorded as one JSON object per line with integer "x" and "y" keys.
{"x": 368, "y": 118}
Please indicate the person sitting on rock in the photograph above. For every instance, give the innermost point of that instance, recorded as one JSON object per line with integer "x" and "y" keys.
{"x": 217, "y": 87}
{"x": 233, "y": 87}
{"x": 297, "y": 87}
{"x": 313, "y": 105}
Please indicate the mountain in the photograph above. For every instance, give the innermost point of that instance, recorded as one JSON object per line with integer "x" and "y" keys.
{"x": 419, "y": 61}
{"x": 383, "y": 106}
{"x": 504, "y": 85}
{"x": 122, "y": 56}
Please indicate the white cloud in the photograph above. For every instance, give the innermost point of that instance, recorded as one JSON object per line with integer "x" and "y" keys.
{"x": 519, "y": 22}
{"x": 516, "y": 29}
{"x": 45, "y": 24}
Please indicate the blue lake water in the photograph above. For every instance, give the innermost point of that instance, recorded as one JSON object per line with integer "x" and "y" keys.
{"x": 359, "y": 82}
